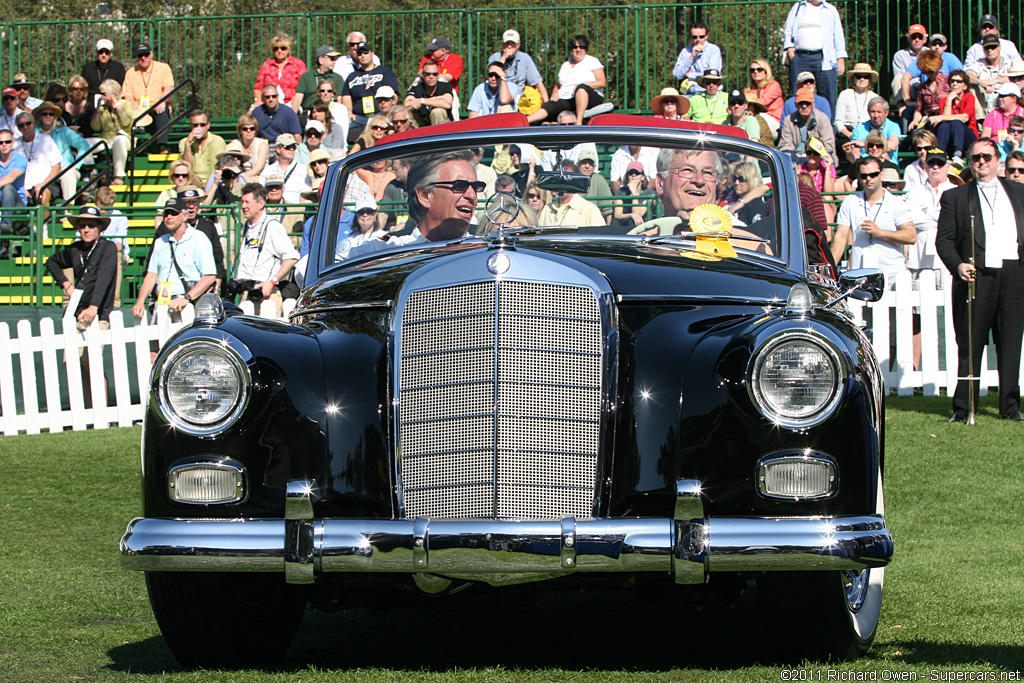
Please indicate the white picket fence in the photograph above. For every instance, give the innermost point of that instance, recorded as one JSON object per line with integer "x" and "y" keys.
{"x": 937, "y": 371}
{"x": 50, "y": 344}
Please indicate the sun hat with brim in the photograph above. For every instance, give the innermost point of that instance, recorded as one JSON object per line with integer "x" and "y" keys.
{"x": 658, "y": 103}
{"x": 1016, "y": 69}
{"x": 313, "y": 195}
{"x": 891, "y": 175}
{"x": 234, "y": 148}
{"x": 710, "y": 75}
{"x": 319, "y": 154}
{"x": 47, "y": 107}
{"x": 862, "y": 68}
{"x": 92, "y": 213}
{"x": 22, "y": 79}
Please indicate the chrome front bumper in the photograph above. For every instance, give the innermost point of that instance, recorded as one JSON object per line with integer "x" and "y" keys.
{"x": 689, "y": 546}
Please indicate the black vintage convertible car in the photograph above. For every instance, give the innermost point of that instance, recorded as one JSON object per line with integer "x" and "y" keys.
{"x": 489, "y": 395}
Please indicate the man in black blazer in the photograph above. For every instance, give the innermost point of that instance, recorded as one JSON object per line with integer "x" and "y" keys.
{"x": 997, "y": 207}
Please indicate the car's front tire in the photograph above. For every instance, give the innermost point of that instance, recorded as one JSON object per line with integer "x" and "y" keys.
{"x": 218, "y": 620}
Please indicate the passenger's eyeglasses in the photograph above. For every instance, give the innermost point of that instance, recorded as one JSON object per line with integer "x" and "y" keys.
{"x": 50, "y": 113}
{"x": 59, "y": 99}
{"x": 991, "y": 47}
{"x": 1009, "y": 169}
{"x": 982, "y": 155}
{"x": 688, "y": 173}
{"x": 363, "y": 51}
{"x": 461, "y": 186}
{"x": 633, "y": 173}
{"x": 868, "y": 176}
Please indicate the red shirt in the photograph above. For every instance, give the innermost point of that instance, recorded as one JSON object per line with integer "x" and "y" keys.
{"x": 930, "y": 102}
{"x": 287, "y": 76}
{"x": 450, "y": 65}
{"x": 964, "y": 106}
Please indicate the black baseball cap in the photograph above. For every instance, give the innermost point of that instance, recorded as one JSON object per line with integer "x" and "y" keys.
{"x": 174, "y": 206}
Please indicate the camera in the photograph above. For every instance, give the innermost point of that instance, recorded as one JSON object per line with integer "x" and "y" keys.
{"x": 238, "y": 287}
{"x": 228, "y": 176}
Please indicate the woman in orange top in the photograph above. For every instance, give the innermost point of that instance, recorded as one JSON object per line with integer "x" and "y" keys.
{"x": 761, "y": 87}
{"x": 282, "y": 70}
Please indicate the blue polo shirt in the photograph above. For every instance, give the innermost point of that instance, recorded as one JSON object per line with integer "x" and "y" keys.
{"x": 344, "y": 229}
{"x": 194, "y": 255}
{"x": 888, "y": 129}
{"x": 17, "y": 162}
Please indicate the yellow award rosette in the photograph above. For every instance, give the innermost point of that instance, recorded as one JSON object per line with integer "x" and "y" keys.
{"x": 709, "y": 218}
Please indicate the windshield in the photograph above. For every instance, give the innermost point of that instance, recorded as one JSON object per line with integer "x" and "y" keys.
{"x": 671, "y": 193}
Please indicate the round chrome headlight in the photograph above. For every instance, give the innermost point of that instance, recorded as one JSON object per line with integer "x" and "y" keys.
{"x": 202, "y": 387}
{"x": 796, "y": 379}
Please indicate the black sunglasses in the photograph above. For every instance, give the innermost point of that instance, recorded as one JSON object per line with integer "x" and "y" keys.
{"x": 460, "y": 186}
{"x": 1015, "y": 130}
{"x": 1015, "y": 169}
{"x": 936, "y": 164}
{"x": 982, "y": 155}
{"x": 104, "y": 51}
{"x": 288, "y": 146}
{"x": 869, "y": 176}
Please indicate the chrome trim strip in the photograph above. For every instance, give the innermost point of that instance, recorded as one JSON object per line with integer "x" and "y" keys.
{"x": 491, "y": 551}
{"x": 700, "y": 299}
{"x": 382, "y": 305}
{"x": 688, "y": 560}
{"x": 299, "y": 532}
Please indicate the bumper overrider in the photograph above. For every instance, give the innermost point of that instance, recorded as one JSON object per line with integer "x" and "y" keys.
{"x": 689, "y": 545}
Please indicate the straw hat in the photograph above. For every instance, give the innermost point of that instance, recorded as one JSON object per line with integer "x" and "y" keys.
{"x": 92, "y": 213}
{"x": 862, "y": 68}
{"x": 234, "y": 148}
{"x": 47, "y": 106}
{"x": 658, "y": 103}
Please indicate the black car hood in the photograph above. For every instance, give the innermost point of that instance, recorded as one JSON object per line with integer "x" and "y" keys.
{"x": 636, "y": 273}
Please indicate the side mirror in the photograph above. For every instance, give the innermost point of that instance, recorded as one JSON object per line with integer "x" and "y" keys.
{"x": 563, "y": 181}
{"x": 865, "y": 284}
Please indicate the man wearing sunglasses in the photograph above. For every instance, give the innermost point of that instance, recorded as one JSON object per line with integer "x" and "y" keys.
{"x": 12, "y": 185}
{"x": 698, "y": 55}
{"x": 493, "y": 94}
{"x": 201, "y": 147}
{"x": 814, "y": 41}
{"x": 309, "y": 82}
{"x": 11, "y": 109}
{"x": 347, "y": 63}
{"x": 144, "y": 85}
{"x": 874, "y": 223}
{"x": 991, "y": 72}
{"x": 443, "y": 192}
{"x": 24, "y": 88}
{"x": 431, "y": 100}
{"x": 520, "y": 69}
{"x": 984, "y": 219}
{"x": 69, "y": 143}
{"x": 989, "y": 26}
{"x": 44, "y": 159}
{"x": 360, "y": 89}
{"x": 296, "y": 176}
{"x": 273, "y": 119}
{"x": 103, "y": 67}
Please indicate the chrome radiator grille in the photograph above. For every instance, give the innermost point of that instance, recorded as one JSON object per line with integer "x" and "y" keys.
{"x": 500, "y": 394}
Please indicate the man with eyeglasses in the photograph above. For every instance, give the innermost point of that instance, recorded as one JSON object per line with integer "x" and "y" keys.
{"x": 917, "y": 40}
{"x": 874, "y": 223}
{"x": 144, "y": 85}
{"x": 520, "y": 69}
{"x": 493, "y": 94}
{"x": 989, "y": 26}
{"x": 430, "y": 100}
{"x": 44, "y": 159}
{"x": 201, "y": 147}
{"x": 814, "y": 41}
{"x": 387, "y": 99}
{"x": 1015, "y": 166}
{"x": 600, "y": 191}
{"x": 23, "y": 86}
{"x": 878, "y": 120}
{"x": 347, "y": 63}
{"x": 103, "y": 67}
{"x": 11, "y": 109}
{"x": 808, "y": 122}
{"x": 309, "y": 83}
{"x": 273, "y": 119}
{"x": 984, "y": 220}
{"x": 181, "y": 264}
{"x": 1012, "y": 137}
{"x": 68, "y": 141}
{"x": 990, "y": 72}
{"x": 443, "y": 191}
{"x": 695, "y": 58}
{"x": 267, "y": 254}
{"x": 449, "y": 65}
{"x": 12, "y": 185}
{"x": 296, "y": 176}
{"x": 711, "y": 105}
{"x": 358, "y": 93}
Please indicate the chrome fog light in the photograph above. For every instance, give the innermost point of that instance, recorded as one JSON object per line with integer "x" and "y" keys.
{"x": 206, "y": 483}
{"x": 797, "y": 477}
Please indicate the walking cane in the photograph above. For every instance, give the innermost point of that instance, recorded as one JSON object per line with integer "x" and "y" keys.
{"x": 971, "y": 292}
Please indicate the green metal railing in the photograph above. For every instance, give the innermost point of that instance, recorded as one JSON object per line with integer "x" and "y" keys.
{"x": 637, "y": 43}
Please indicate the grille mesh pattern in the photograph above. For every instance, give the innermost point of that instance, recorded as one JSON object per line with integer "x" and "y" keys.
{"x": 514, "y": 442}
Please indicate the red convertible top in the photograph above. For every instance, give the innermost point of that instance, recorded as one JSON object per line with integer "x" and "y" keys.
{"x": 517, "y": 120}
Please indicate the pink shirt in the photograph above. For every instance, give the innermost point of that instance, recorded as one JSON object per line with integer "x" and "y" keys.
{"x": 286, "y": 77}
{"x": 998, "y": 121}
{"x": 819, "y": 178}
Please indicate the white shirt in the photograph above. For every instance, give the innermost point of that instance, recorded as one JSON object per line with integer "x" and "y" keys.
{"x": 376, "y": 244}
{"x": 296, "y": 180}
{"x": 914, "y": 175}
{"x": 888, "y": 213}
{"x": 346, "y": 65}
{"x": 42, "y": 154}
{"x": 976, "y": 53}
{"x": 353, "y": 240}
{"x": 547, "y": 157}
{"x": 621, "y": 159}
{"x": 571, "y": 75}
{"x": 923, "y": 200}
{"x": 1000, "y": 224}
{"x": 261, "y": 264}
{"x": 808, "y": 31}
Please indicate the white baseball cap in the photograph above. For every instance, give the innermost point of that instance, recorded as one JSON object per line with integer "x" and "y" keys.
{"x": 510, "y": 34}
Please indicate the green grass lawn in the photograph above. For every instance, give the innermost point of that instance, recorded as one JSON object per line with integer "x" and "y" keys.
{"x": 953, "y": 599}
